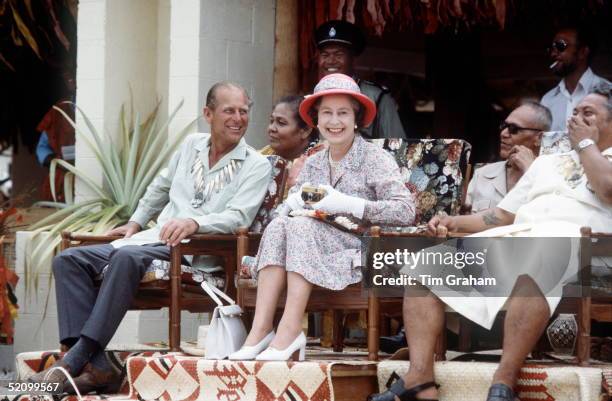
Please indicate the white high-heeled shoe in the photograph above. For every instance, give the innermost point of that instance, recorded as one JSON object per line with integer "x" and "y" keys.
{"x": 249, "y": 352}
{"x": 296, "y": 348}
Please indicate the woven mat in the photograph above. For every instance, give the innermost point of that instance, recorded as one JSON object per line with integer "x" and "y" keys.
{"x": 29, "y": 363}
{"x": 177, "y": 377}
{"x": 469, "y": 381}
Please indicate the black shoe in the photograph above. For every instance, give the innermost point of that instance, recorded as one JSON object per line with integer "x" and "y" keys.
{"x": 391, "y": 344}
{"x": 404, "y": 394}
{"x": 501, "y": 392}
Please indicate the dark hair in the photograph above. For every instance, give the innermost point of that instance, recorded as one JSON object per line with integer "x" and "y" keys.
{"x": 357, "y": 107}
{"x": 543, "y": 114}
{"x": 211, "y": 96}
{"x": 604, "y": 89}
{"x": 585, "y": 37}
{"x": 293, "y": 101}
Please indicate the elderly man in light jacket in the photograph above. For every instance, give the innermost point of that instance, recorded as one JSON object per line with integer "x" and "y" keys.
{"x": 214, "y": 183}
{"x": 520, "y": 136}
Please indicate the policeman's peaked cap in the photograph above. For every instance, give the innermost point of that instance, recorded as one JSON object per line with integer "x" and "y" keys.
{"x": 342, "y": 33}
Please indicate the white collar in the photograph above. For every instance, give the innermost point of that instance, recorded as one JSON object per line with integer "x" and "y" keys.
{"x": 585, "y": 82}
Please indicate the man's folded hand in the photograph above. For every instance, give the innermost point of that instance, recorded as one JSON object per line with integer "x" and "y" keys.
{"x": 176, "y": 230}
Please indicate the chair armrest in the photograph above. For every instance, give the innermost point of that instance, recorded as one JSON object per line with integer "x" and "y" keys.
{"x": 601, "y": 235}
{"x": 376, "y": 231}
{"x": 70, "y": 239}
{"x": 75, "y": 236}
{"x": 212, "y": 237}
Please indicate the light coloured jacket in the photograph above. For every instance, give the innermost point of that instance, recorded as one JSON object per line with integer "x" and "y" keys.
{"x": 488, "y": 186}
{"x": 172, "y": 191}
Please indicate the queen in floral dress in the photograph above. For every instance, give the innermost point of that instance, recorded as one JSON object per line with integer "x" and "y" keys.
{"x": 361, "y": 181}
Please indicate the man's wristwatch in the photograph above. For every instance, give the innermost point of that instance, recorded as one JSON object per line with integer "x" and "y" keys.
{"x": 583, "y": 144}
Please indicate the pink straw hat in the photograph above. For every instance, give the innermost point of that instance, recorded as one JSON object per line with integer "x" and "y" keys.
{"x": 338, "y": 84}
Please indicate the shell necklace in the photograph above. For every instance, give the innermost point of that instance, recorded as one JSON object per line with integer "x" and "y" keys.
{"x": 218, "y": 181}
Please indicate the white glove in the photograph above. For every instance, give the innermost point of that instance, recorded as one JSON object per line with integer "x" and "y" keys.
{"x": 293, "y": 202}
{"x": 336, "y": 202}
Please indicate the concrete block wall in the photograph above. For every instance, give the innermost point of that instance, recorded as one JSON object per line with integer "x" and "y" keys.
{"x": 35, "y": 329}
{"x": 237, "y": 44}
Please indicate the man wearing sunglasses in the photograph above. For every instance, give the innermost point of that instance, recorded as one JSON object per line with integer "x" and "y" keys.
{"x": 570, "y": 53}
{"x": 520, "y": 136}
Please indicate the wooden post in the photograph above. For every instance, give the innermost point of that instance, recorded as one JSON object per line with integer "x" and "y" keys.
{"x": 242, "y": 244}
{"x": 175, "y": 298}
{"x": 338, "y": 331}
{"x": 583, "y": 342}
{"x": 65, "y": 244}
{"x": 286, "y": 59}
{"x": 373, "y": 310}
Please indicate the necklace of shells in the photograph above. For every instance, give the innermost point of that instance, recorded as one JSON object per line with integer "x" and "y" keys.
{"x": 218, "y": 181}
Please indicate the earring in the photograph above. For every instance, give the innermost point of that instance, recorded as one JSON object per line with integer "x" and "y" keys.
{"x": 356, "y": 126}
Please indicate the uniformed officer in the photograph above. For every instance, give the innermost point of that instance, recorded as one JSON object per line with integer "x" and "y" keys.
{"x": 339, "y": 42}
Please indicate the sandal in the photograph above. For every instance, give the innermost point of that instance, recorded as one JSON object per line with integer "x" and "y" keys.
{"x": 404, "y": 394}
{"x": 501, "y": 392}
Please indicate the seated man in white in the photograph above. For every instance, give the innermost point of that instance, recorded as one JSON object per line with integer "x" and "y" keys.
{"x": 520, "y": 136}
{"x": 557, "y": 195}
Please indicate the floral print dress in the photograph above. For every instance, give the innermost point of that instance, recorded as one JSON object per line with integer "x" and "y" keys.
{"x": 322, "y": 254}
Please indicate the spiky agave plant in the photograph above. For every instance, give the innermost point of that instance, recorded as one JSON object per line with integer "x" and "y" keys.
{"x": 128, "y": 167}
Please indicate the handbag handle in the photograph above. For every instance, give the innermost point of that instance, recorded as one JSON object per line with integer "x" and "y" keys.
{"x": 212, "y": 292}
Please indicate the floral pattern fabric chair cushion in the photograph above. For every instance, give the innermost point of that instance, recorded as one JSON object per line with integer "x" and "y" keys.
{"x": 432, "y": 171}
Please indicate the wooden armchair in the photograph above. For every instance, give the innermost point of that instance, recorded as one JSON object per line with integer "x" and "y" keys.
{"x": 596, "y": 304}
{"x": 353, "y": 298}
{"x": 423, "y": 164}
{"x": 586, "y": 301}
{"x": 182, "y": 291}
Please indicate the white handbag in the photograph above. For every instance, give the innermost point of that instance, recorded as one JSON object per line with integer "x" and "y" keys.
{"x": 226, "y": 333}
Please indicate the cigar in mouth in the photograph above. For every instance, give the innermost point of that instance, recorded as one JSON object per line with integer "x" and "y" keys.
{"x": 553, "y": 65}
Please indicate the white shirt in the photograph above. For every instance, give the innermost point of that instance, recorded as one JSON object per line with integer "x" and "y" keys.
{"x": 561, "y": 103}
{"x": 555, "y": 188}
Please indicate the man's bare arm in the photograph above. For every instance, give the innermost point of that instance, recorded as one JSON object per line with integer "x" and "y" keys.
{"x": 598, "y": 170}
{"x": 483, "y": 220}
{"x": 473, "y": 223}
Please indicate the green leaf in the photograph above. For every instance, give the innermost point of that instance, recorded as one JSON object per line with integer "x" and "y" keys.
{"x": 60, "y": 214}
{"x": 109, "y": 169}
{"x": 160, "y": 161}
{"x": 86, "y": 179}
{"x": 131, "y": 164}
{"x": 95, "y": 148}
{"x": 150, "y": 154}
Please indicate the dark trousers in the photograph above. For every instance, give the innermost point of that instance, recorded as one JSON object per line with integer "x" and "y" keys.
{"x": 85, "y": 307}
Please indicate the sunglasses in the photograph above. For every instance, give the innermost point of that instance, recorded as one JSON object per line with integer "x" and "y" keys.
{"x": 559, "y": 45}
{"x": 514, "y": 129}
